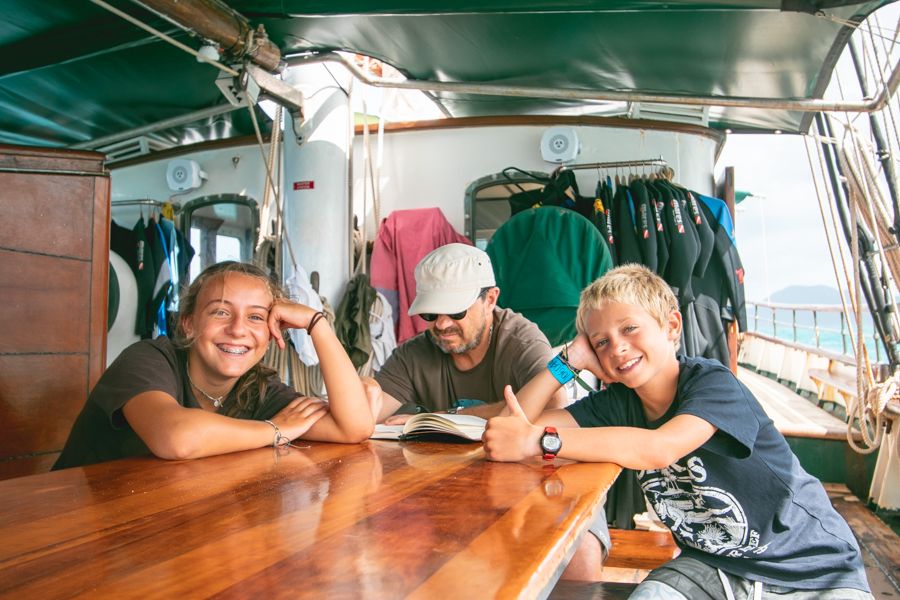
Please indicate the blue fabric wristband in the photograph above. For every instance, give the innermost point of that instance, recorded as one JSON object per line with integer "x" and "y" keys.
{"x": 560, "y": 370}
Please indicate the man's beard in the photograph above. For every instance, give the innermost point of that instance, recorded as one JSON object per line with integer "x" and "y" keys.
{"x": 462, "y": 349}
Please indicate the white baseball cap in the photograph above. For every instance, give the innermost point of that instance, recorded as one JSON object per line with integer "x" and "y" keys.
{"x": 449, "y": 279}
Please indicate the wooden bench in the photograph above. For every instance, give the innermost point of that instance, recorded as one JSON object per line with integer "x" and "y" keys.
{"x": 640, "y": 549}
{"x": 583, "y": 590}
{"x": 634, "y": 553}
{"x": 836, "y": 384}
{"x": 793, "y": 415}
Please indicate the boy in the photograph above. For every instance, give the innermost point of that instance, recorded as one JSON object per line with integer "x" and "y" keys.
{"x": 749, "y": 520}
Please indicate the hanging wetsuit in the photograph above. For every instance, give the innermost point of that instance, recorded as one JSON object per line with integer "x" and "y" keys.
{"x": 662, "y": 239}
{"x": 728, "y": 283}
{"x": 646, "y": 226}
{"x": 598, "y": 217}
{"x": 628, "y": 250}
{"x": 607, "y": 193}
{"x": 704, "y": 232}
{"x": 684, "y": 247}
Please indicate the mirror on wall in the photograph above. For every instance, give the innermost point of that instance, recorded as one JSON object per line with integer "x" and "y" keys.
{"x": 221, "y": 227}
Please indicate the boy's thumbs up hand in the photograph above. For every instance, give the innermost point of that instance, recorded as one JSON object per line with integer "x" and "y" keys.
{"x": 512, "y": 403}
{"x": 511, "y": 438}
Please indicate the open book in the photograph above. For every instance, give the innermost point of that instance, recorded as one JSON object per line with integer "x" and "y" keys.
{"x": 467, "y": 427}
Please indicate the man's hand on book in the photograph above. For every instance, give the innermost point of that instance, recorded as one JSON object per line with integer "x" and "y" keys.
{"x": 511, "y": 438}
{"x": 397, "y": 419}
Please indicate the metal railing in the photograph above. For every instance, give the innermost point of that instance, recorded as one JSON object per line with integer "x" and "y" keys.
{"x": 821, "y": 326}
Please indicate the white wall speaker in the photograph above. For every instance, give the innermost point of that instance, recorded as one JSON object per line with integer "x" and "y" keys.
{"x": 183, "y": 174}
{"x": 560, "y": 144}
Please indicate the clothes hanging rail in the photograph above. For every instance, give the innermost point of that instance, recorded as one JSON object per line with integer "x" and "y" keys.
{"x": 143, "y": 202}
{"x": 646, "y": 162}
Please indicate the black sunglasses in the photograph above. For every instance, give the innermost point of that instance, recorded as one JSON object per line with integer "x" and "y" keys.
{"x": 432, "y": 317}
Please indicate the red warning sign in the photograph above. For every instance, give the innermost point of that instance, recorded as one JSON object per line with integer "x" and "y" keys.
{"x": 305, "y": 185}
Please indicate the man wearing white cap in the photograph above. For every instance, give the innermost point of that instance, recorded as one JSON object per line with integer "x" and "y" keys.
{"x": 471, "y": 349}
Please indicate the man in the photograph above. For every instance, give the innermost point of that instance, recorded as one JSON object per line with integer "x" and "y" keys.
{"x": 471, "y": 349}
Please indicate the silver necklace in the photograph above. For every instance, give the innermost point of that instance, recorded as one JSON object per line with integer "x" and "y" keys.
{"x": 217, "y": 402}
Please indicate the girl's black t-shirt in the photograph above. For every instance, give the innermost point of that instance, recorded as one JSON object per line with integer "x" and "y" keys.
{"x": 101, "y": 433}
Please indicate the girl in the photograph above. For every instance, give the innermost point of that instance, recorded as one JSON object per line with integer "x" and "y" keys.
{"x": 206, "y": 393}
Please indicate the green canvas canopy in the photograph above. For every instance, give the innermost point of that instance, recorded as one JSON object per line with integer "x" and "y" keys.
{"x": 74, "y": 72}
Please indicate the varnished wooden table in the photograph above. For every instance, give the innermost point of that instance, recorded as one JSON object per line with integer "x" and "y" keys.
{"x": 375, "y": 520}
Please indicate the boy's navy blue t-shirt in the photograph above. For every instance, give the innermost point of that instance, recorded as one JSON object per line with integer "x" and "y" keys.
{"x": 741, "y": 502}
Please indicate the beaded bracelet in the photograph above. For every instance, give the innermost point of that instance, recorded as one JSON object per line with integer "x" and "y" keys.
{"x": 280, "y": 440}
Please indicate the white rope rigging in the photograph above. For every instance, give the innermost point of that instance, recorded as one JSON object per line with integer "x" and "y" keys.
{"x": 866, "y": 201}
{"x": 864, "y": 384}
{"x": 282, "y": 232}
{"x": 864, "y": 177}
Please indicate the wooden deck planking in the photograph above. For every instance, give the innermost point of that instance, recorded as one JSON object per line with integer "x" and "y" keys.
{"x": 879, "y": 544}
{"x": 792, "y": 414}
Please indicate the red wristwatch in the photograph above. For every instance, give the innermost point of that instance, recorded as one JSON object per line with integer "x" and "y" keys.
{"x": 550, "y": 443}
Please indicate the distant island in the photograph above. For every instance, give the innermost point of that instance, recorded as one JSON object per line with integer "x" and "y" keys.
{"x": 807, "y": 294}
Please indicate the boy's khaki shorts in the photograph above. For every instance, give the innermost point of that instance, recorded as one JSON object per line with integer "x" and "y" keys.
{"x": 697, "y": 580}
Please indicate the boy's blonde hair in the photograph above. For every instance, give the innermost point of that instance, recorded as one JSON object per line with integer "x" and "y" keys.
{"x": 629, "y": 284}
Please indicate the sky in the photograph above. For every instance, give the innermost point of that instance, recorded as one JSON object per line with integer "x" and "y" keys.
{"x": 779, "y": 230}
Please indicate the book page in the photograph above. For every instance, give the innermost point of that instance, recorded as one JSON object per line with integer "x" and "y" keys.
{"x": 386, "y": 432}
{"x": 465, "y": 426}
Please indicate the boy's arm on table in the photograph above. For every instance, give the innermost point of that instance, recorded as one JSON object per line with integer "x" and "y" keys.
{"x": 514, "y": 437}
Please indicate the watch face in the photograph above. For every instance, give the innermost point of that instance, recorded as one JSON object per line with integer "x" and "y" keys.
{"x": 550, "y": 443}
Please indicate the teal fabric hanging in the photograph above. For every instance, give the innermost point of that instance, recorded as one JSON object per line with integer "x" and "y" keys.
{"x": 543, "y": 257}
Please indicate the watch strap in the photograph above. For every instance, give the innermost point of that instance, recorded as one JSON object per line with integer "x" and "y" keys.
{"x": 550, "y": 432}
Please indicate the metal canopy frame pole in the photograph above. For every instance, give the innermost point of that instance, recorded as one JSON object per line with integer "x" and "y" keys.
{"x": 803, "y": 105}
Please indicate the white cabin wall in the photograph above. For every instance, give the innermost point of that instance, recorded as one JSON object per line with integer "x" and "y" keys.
{"x": 429, "y": 168}
{"x": 420, "y": 169}
{"x": 232, "y": 170}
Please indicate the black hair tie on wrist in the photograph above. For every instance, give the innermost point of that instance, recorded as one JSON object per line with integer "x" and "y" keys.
{"x": 312, "y": 322}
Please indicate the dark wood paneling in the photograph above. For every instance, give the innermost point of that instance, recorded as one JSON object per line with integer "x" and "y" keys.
{"x": 40, "y": 396}
{"x": 46, "y": 303}
{"x": 880, "y": 545}
{"x": 52, "y": 217}
{"x": 54, "y": 268}
{"x": 99, "y": 305}
{"x": 28, "y": 158}
{"x": 29, "y": 465}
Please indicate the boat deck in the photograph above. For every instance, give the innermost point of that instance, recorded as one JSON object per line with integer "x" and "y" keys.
{"x": 794, "y": 415}
{"x": 879, "y": 544}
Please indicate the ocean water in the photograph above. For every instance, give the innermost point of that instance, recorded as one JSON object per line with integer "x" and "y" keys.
{"x": 825, "y": 330}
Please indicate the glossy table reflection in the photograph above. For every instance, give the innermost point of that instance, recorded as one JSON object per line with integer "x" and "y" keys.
{"x": 375, "y": 520}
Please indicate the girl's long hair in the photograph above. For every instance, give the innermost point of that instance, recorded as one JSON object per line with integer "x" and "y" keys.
{"x": 250, "y": 388}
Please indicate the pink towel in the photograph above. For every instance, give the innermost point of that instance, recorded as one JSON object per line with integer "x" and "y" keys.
{"x": 404, "y": 238}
